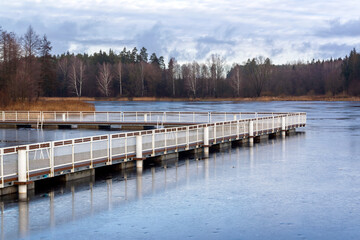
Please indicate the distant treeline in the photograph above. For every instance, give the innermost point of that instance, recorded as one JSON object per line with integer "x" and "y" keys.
{"x": 28, "y": 70}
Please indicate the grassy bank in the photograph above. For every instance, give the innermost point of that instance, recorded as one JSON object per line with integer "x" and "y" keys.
{"x": 50, "y": 105}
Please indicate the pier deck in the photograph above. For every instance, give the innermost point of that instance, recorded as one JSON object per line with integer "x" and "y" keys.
{"x": 27, "y": 163}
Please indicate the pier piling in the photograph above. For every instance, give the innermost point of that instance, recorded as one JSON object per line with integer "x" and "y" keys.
{"x": 22, "y": 188}
{"x": 139, "y": 156}
{"x": 251, "y": 133}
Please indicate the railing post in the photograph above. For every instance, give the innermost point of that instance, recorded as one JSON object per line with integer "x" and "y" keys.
{"x": 251, "y": 133}
{"x": 145, "y": 117}
{"x": 73, "y": 155}
{"x": 165, "y": 142}
{"x": 273, "y": 123}
{"x": 215, "y": 136}
{"x": 109, "y": 145}
{"x": 52, "y": 156}
{"x": 206, "y": 142}
{"x": 2, "y": 166}
{"x": 237, "y": 129}
{"x": 223, "y": 131}
{"x": 187, "y": 137}
{"x": 283, "y": 126}
{"x": 139, "y": 156}
{"x": 153, "y": 142}
{"x": 176, "y": 139}
{"x": 22, "y": 169}
{"x": 107, "y": 116}
{"x": 91, "y": 153}
{"x": 126, "y": 147}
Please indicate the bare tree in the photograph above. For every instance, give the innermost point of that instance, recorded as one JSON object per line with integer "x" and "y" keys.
{"x": 118, "y": 73}
{"x": 258, "y": 71}
{"x": 63, "y": 69}
{"x": 216, "y": 66}
{"x": 332, "y": 76}
{"x": 31, "y": 43}
{"x": 31, "y": 48}
{"x": 205, "y": 77}
{"x": 104, "y": 78}
{"x": 236, "y": 78}
{"x": 191, "y": 74}
{"x": 171, "y": 74}
{"x": 77, "y": 75}
{"x": 142, "y": 77}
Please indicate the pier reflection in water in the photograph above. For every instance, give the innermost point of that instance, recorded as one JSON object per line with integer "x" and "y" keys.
{"x": 76, "y": 200}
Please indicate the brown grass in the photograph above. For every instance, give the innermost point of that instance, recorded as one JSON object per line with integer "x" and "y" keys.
{"x": 50, "y": 105}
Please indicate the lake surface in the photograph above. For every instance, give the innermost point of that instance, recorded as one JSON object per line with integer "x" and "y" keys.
{"x": 304, "y": 187}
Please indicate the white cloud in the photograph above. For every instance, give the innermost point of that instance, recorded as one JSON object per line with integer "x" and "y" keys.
{"x": 284, "y": 30}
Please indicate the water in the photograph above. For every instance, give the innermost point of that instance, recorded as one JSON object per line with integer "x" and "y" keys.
{"x": 304, "y": 187}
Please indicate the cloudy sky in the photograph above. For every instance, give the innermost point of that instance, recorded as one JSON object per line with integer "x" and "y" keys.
{"x": 284, "y": 30}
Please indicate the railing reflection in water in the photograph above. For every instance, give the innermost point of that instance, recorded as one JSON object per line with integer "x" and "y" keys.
{"x": 86, "y": 198}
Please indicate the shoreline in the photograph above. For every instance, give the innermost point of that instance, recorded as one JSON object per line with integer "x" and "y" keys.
{"x": 257, "y": 99}
{"x": 84, "y": 103}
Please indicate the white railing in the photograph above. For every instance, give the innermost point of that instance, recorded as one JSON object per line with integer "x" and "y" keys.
{"x": 180, "y": 117}
{"x": 48, "y": 159}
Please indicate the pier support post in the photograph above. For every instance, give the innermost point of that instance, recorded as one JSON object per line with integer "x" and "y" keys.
{"x": 22, "y": 175}
{"x": 251, "y": 133}
{"x": 139, "y": 156}
{"x": 145, "y": 117}
{"x": 283, "y": 127}
{"x": 206, "y": 142}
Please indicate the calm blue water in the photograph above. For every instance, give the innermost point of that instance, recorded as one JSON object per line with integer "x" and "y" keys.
{"x": 304, "y": 187}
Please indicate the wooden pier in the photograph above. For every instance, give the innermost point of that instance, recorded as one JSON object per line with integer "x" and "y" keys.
{"x": 22, "y": 165}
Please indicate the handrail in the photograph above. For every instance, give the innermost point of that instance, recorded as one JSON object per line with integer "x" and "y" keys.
{"x": 125, "y": 116}
{"x": 46, "y": 158}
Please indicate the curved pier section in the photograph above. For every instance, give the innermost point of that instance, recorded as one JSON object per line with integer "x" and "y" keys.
{"x": 75, "y": 158}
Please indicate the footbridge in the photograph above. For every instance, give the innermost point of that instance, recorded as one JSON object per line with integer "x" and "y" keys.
{"x": 172, "y": 133}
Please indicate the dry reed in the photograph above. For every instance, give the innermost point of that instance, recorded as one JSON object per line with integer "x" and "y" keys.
{"x": 50, "y": 105}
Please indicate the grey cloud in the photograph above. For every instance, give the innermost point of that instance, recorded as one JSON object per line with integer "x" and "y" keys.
{"x": 155, "y": 39}
{"x": 276, "y": 51}
{"x": 333, "y": 50}
{"x": 214, "y": 41}
{"x": 202, "y": 50}
{"x": 336, "y": 28}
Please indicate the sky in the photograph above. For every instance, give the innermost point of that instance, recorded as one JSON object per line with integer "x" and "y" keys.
{"x": 286, "y": 31}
